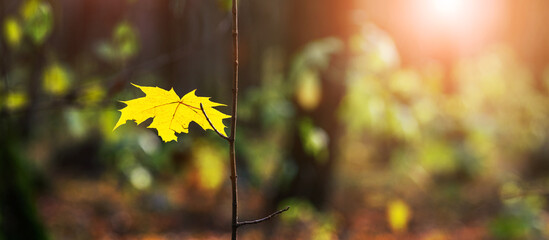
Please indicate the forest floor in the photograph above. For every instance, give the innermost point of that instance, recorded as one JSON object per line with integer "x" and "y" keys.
{"x": 103, "y": 209}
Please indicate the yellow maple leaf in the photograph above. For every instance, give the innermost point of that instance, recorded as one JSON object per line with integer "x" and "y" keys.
{"x": 170, "y": 113}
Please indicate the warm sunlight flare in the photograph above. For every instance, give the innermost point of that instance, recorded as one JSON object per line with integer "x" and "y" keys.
{"x": 445, "y": 9}
{"x": 446, "y": 28}
{"x": 450, "y": 13}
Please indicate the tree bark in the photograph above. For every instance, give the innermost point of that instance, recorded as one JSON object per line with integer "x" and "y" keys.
{"x": 312, "y": 20}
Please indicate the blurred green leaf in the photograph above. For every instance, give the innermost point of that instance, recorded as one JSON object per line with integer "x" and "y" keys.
{"x": 106, "y": 50}
{"x": 315, "y": 56}
{"x": 302, "y": 210}
{"x": 263, "y": 157}
{"x": 437, "y": 157}
{"x": 321, "y": 224}
{"x": 522, "y": 218}
{"x": 125, "y": 39}
{"x": 509, "y": 227}
{"x": 124, "y": 44}
{"x": 315, "y": 140}
{"x": 38, "y": 20}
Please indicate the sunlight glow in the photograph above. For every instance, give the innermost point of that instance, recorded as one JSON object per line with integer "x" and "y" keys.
{"x": 447, "y": 28}
{"x": 447, "y": 7}
{"x": 447, "y": 10}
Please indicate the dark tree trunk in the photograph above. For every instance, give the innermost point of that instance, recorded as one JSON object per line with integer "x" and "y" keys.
{"x": 311, "y": 20}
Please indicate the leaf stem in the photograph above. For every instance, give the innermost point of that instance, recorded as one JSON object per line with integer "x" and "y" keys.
{"x": 211, "y": 124}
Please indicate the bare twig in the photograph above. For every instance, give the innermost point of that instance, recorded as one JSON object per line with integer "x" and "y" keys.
{"x": 211, "y": 124}
{"x": 262, "y": 219}
{"x": 231, "y": 139}
{"x": 232, "y": 155}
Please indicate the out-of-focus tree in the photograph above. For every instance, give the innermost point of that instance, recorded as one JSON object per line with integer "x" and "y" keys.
{"x": 316, "y": 73}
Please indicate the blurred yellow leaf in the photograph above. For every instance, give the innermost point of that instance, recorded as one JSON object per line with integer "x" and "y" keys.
{"x": 92, "y": 94}
{"x": 170, "y": 113}
{"x": 56, "y": 79}
{"x": 15, "y": 100}
{"x": 325, "y": 231}
{"x": 29, "y": 9}
{"x": 210, "y": 165}
{"x": 308, "y": 90}
{"x": 398, "y": 214}
{"x": 12, "y": 32}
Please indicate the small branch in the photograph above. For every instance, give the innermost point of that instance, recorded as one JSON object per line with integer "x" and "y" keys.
{"x": 231, "y": 140}
{"x": 210, "y": 122}
{"x": 239, "y": 224}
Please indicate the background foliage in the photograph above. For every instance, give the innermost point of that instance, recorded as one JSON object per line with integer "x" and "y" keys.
{"x": 372, "y": 119}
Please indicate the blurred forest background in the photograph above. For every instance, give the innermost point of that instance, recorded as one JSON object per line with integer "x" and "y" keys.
{"x": 397, "y": 119}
